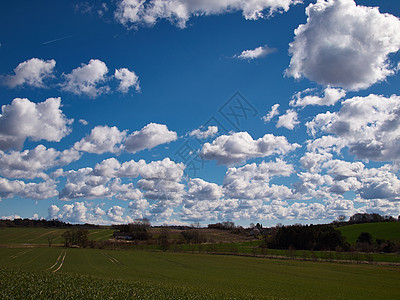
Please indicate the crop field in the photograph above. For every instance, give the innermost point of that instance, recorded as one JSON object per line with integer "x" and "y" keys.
{"x": 180, "y": 275}
{"x": 37, "y": 236}
{"x": 384, "y": 230}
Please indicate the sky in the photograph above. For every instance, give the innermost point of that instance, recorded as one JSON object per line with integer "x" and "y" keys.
{"x": 186, "y": 111}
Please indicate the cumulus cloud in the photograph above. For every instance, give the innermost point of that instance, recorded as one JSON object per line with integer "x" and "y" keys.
{"x": 252, "y": 181}
{"x": 102, "y": 139}
{"x": 258, "y": 52}
{"x": 159, "y": 180}
{"x": 273, "y": 112}
{"x": 30, "y": 164}
{"x": 204, "y": 134}
{"x": 116, "y": 213}
{"x": 38, "y": 121}
{"x": 31, "y": 190}
{"x": 344, "y": 45}
{"x": 369, "y": 126}
{"x": 139, "y": 12}
{"x": 149, "y": 137}
{"x": 331, "y": 96}
{"x": 87, "y": 79}
{"x": 83, "y": 122}
{"x": 240, "y": 146}
{"x": 79, "y": 212}
{"x": 199, "y": 189}
{"x": 127, "y": 80}
{"x": 313, "y": 160}
{"x": 289, "y": 120}
{"x": 161, "y": 169}
{"x": 84, "y": 184}
{"x": 342, "y": 176}
{"x": 31, "y": 73}
{"x": 138, "y": 209}
{"x": 11, "y": 217}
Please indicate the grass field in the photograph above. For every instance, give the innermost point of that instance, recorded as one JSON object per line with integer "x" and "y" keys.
{"x": 38, "y": 236}
{"x": 384, "y": 230}
{"x": 231, "y": 276}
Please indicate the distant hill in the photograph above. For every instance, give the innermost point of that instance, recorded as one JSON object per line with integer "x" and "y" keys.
{"x": 37, "y": 236}
{"x": 382, "y": 230}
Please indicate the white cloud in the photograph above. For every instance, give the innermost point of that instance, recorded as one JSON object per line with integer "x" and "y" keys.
{"x": 162, "y": 169}
{"x": 289, "y": 120}
{"x": 331, "y": 96}
{"x": 252, "y": 181}
{"x": 138, "y": 209}
{"x": 383, "y": 207}
{"x": 139, "y": 12}
{"x": 240, "y": 146}
{"x": 149, "y": 137}
{"x": 116, "y": 213}
{"x": 31, "y": 190}
{"x": 83, "y": 122}
{"x": 77, "y": 212}
{"x": 87, "y": 79}
{"x": 312, "y": 161}
{"x": 312, "y": 185}
{"x": 258, "y": 52}
{"x": 11, "y": 218}
{"x": 167, "y": 191}
{"x": 326, "y": 143}
{"x": 102, "y": 139}
{"x": 274, "y": 112}
{"x": 39, "y": 121}
{"x": 199, "y": 189}
{"x": 344, "y": 45}
{"x": 125, "y": 191}
{"x": 84, "y": 184}
{"x": 368, "y": 126}
{"x": 160, "y": 180}
{"x": 210, "y": 132}
{"x": 127, "y": 80}
{"x": 31, "y": 163}
{"x": 31, "y": 72}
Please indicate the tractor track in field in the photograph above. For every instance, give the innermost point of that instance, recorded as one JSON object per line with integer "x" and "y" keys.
{"x": 20, "y": 253}
{"x": 113, "y": 259}
{"x": 58, "y": 261}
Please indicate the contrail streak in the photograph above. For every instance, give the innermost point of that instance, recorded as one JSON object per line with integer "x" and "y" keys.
{"x": 59, "y": 39}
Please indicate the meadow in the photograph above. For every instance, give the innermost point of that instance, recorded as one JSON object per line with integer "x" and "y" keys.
{"x": 383, "y": 230}
{"x": 39, "y": 236}
{"x": 194, "y": 276}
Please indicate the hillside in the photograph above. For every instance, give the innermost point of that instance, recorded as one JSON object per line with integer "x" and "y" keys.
{"x": 39, "y": 236}
{"x": 383, "y": 230}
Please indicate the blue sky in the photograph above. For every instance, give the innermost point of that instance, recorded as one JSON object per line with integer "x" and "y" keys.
{"x": 199, "y": 111}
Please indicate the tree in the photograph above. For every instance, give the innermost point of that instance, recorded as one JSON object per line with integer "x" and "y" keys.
{"x": 365, "y": 237}
{"x": 163, "y": 238}
{"x": 138, "y": 230}
{"x": 76, "y": 237}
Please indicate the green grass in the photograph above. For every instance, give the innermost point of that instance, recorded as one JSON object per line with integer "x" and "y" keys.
{"x": 40, "y": 285}
{"x": 231, "y": 276}
{"x": 384, "y": 230}
{"x": 37, "y": 236}
{"x": 252, "y": 249}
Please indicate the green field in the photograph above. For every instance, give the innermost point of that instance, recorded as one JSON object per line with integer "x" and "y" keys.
{"x": 213, "y": 275}
{"x": 384, "y": 230}
{"x": 37, "y": 236}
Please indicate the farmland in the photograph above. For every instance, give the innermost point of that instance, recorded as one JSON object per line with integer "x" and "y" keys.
{"x": 39, "y": 236}
{"x": 206, "y": 275}
{"x": 383, "y": 230}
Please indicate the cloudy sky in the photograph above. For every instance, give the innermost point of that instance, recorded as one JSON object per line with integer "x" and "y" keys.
{"x": 182, "y": 111}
